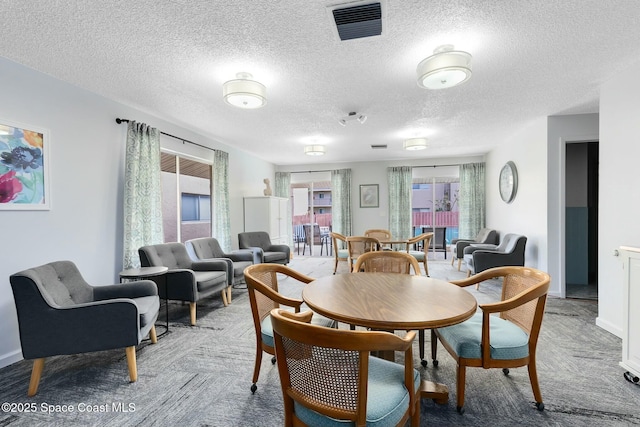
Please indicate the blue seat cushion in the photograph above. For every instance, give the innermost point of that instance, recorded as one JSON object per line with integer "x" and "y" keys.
{"x": 418, "y": 255}
{"x": 387, "y": 397}
{"x": 343, "y": 253}
{"x": 267, "y": 330}
{"x": 508, "y": 341}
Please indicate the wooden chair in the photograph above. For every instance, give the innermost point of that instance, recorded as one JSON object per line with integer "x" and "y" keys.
{"x": 420, "y": 252}
{"x": 262, "y": 286}
{"x": 387, "y": 262}
{"x": 380, "y": 234}
{"x": 358, "y": 245}
{"x": 340, "y": 251}
{"x": 328, "y": 375}
{"x": 505, "y": 341}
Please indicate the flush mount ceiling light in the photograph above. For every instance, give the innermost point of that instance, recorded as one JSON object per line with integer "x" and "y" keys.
{"x": 361, "y": 118}
{"x": 444, "y": 69}
{"x": 244, "y": 92}
{"x": 315, "y": 150}
{"x": 415, "y": 144}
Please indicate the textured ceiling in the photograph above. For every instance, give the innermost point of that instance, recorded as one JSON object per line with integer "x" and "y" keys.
{"x": 170, "y": 58}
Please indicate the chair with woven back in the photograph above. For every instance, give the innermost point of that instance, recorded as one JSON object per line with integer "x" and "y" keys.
{"x": 328, "y": 375}
{"x": 387, "y": 262}
{"x": 358, "y": 245}
{"x": 392, "y": 262}
{"x": 506, "y": 340}
{"x": 340, "y": 251}
{"x": 420, "y": 249}
{"x": 380, "y": 234}
{"x": 264, "y": 296}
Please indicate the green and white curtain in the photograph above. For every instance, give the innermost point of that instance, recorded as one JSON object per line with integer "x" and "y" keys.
{"x": 400, "y": 186}
{"x": 472, "y": 200}
{"x": 142, "y": 192}
{"x": 283, "y": 189}
{"x": 221, "y": 224}
{"x": 341, "y": 201}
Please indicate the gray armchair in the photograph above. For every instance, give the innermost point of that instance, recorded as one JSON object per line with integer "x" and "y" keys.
{"x": 187, "y": 280}
{"x": 263, "y": 250}
{"x": 510, "y": 251}
{"x": 206, "y": 248}
{"x": 484, "y": 236}
{"x": 59, "y": 313}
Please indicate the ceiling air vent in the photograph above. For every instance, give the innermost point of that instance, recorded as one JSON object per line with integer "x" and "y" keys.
{"x": 378, "y": 146}
{"x": 355, "y": 22}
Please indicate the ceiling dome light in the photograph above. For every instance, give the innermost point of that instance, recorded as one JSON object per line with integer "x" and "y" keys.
{"x": 444, "y": 69}
{"x": 315, "y": 150}
{"x": 415, "y": 144}
{"x": 244, "y": 92}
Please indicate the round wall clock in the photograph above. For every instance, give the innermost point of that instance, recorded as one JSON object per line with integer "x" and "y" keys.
{"x": 508, "y": 182}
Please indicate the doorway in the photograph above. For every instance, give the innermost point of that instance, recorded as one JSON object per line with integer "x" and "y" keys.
{"x": 581, "y": 219}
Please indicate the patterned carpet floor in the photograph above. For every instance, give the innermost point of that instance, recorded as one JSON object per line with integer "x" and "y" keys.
{"x": 200, "y": 376}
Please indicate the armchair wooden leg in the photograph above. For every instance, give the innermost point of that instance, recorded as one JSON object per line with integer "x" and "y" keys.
{"x": 477, "y": 286}
{"x": 452, "y": 258}
{"x": 426, "y": 268}
{"x": 468, "y": 273}
{"x": 461, "y": 378}
{"x": 152, "y": 335}
{"x": 131, "y": 363}
{"x": 224, "y": 297}
{"x": 229, "y": 294}
{"x": 533, "y": 378}
{"x": 459, "y": 263}
{"x": 192, "y": 313}
{"x": 36, "y": 373}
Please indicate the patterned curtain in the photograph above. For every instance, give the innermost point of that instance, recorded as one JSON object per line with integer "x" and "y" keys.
{"x": 142, "y": 192}
{"x": 472, "y": 200}
{"x": 283, "y": 189}
{"x": 400, "y": 185}
{"x": 341, "y": 201}
{"x": 221, "y": 224}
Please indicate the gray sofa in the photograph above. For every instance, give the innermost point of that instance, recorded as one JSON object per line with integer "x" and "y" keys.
{"x": 510, "y": 251}
{"x": 206, "y": 248}
{"x": 187, "y": 280}
{"x": 263, "y": 250}
{"x": 484, "y": 236}
{"x": 59, "y": 313}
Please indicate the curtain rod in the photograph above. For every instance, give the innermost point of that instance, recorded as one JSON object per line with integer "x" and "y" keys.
{"x": 329, "y": 170}
{"x": 119, "y": 120}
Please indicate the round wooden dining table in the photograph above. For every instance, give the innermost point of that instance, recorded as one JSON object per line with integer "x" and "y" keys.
{"x": 390, "y": 301}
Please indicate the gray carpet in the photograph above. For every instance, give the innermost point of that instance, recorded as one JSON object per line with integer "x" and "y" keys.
{"x": 200, "y": 376}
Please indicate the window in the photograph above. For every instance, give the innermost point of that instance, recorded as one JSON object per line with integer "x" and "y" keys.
{"x": 196, "y": 207}
{"x": 186, "y": 198}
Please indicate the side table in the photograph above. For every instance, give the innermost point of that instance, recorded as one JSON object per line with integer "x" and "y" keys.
{"x": 151, "y": 273}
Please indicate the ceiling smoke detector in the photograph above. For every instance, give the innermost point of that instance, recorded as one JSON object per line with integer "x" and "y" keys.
{"x": 352, "y": 116}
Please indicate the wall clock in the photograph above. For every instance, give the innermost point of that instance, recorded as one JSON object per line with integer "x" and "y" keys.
{"x": 508, "y": 182}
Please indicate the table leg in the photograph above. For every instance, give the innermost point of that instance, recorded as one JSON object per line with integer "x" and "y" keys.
{"x": 436, "y": 391}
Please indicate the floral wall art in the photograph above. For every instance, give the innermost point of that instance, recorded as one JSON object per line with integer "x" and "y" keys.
{"x": 24, "y": 171}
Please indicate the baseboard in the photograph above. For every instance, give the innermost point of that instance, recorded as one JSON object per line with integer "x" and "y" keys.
{"x": 609, "y": 327}
{"x": 10, "y": 358}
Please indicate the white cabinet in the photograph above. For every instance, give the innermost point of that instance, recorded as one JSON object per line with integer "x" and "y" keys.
{"x": 266, "y": 213}
{"x": 631, "y": 312}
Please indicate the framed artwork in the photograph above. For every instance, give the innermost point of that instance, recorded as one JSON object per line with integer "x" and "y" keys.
{"x": 369, "y": 196}
{"x": 24, "y": 167}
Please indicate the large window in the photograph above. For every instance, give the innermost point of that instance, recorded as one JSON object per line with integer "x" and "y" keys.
{"x": 186, "y": 198}
{"x": 435, "y": 200}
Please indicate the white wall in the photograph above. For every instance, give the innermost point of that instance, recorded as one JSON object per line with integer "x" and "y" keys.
{"x": 618, "y": 196}
{"x": 527, "y": 213}
{"x": 86, "y": 161}
{"x": 375, "y": 173}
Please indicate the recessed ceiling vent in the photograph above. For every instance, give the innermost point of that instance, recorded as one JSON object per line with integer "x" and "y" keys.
{"x": 378, "y": 146}
{"x": 360, "y": 21}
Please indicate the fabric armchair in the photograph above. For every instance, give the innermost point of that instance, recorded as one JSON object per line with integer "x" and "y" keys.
{"x": 483, "y": 257}
{"x": 485, "y": 236}
{"x": 59, "y": 313}
{"x": 207, "y": 248}
{"x": 263, "y": 250}
{"x": 187, "y": 280}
